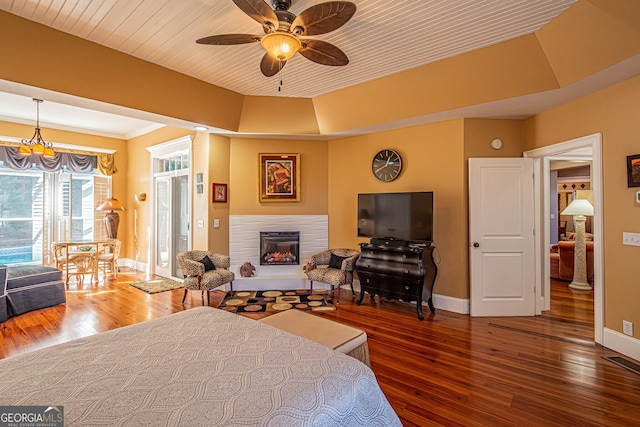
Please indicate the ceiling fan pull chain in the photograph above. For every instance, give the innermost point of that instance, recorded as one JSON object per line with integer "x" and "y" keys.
{"x": 280, "y": 74}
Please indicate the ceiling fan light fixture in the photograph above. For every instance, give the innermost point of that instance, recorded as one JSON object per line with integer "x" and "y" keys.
{"x": 280, "y": 45}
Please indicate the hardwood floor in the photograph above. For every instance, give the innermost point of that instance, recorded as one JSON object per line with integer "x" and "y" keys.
{"x": 449, "y": 369}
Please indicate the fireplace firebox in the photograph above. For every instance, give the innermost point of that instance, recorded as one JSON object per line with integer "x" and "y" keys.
{"x": 279, "y": 248}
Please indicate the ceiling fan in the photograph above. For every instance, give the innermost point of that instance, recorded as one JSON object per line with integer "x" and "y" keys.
{"x": 283, "y": 30}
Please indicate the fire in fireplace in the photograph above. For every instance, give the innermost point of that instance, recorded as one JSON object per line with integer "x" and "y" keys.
{"x": 279, "y": 247}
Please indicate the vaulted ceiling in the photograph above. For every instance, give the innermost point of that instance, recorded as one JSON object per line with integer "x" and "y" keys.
{"x": 383, "y": 38}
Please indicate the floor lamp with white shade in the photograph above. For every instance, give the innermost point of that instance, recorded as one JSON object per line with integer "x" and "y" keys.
{"x": 580, "y": 209}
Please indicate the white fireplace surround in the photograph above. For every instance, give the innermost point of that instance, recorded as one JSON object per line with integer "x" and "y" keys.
{"x": 244, "y": 245}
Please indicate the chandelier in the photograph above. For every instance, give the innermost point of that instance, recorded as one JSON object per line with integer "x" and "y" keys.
{"x": 36, "y": 145}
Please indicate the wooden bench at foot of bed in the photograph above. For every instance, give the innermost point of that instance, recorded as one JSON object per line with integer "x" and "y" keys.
{"x": 345, "y": 339}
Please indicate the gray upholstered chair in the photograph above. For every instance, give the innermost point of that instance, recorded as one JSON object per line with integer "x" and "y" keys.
{"x": 200, "y": 275}
{"x": 334, "y": 267}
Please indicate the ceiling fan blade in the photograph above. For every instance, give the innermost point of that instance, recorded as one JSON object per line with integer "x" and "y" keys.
{"x": 260, "y": 11}
{"x": 323, "y": 53}
{"x": 323, "y": 18}
{"x": 228, "y": 39}
{"x": 270, "y": 65}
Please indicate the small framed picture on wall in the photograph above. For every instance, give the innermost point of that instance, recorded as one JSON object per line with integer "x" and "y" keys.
{"x": 633, "y": 170}
{"x": 219, "y": 193}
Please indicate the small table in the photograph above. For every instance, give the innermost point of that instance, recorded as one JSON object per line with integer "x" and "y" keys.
{"x": 83, "y": 255}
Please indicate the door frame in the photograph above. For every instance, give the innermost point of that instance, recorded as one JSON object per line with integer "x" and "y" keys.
{"x": 158, "y": 151}
{"x": 542, "y": 157}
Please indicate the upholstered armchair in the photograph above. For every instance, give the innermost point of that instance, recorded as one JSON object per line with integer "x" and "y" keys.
{"x": 204, "y": 271}
{"x": 334, "y": 267}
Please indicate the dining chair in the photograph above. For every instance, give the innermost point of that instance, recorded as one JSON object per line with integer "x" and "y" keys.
{"x": 108, "y": 257}
{"x": 60, "y": 256}
{"x": 81, "y": 264}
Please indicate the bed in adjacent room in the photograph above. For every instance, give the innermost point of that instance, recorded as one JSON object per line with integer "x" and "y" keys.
{"x": 202, "y": 366}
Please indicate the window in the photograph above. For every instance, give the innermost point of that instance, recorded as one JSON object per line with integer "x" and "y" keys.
{"x": 37, "y": 208}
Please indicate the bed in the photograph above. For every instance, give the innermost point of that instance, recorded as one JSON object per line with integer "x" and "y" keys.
{"x": 199, "y": 367}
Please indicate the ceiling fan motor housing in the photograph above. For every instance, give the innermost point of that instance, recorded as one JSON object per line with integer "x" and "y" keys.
{"x": 285, "y": 18}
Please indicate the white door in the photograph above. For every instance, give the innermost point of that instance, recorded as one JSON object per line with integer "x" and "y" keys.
{"x": 172, "y": 223}
{"x": 501, "y": 225}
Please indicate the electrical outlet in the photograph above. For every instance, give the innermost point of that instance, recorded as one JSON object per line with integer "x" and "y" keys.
{"x": 631, "y": 239}
{"x": 627, "y": 328}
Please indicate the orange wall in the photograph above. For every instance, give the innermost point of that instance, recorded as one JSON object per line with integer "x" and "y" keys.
{"x": 434, "y": 159}
{"x": 244, "y": 177}
{"x": 263, "y": 114}
{"x": 138, "y": 181}
{"x": 219, "y": 172}
{"x": 513, "y": 68}
{"x": 614, "y": 113}
{"x": 79, "y": 67}
{"x": 591, "y": 36}
{"x": 211, "y": 158}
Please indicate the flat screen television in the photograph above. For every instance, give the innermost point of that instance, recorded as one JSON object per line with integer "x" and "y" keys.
{"x": 402, "y": 216}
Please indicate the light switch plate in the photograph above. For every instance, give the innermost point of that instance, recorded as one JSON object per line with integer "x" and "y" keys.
{"x": 627, "y": 328}
{"x": 630, "y": 239}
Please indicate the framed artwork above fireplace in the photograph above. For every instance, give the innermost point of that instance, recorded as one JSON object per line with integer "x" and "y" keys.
{"x": 279, "y": 177}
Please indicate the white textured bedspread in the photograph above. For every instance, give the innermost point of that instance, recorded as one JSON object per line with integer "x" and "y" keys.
{"x": 200, "y": 367}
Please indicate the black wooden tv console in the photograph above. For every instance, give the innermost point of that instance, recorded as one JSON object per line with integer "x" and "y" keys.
{"x": 398, "y": 270}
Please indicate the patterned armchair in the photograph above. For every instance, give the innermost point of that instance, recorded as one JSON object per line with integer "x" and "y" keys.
{"x": 204, "y": 271}
{"x": 334, "y": 267}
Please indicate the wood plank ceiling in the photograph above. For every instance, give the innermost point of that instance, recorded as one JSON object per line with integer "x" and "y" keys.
{"x": 384, "y": 37}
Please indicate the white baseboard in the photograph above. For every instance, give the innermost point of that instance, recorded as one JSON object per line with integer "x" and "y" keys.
{"x": 456, "y": 305}
{"x": 442, "y": 302}
{"x": 624, "y": 344}
{"x": 140, "y": 266}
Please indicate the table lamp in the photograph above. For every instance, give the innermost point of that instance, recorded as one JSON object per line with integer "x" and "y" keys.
{"x": 579, "y": 209}
{"x": 111, "y": 219}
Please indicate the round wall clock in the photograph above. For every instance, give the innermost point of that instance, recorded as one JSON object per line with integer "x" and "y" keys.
{"x": 386, "y": 165}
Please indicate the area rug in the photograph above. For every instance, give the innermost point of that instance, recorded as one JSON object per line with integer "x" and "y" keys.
{"x": 157, "y": 285}
{"x": 274, "y": 301}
